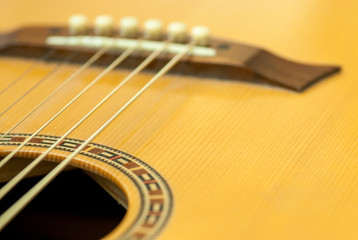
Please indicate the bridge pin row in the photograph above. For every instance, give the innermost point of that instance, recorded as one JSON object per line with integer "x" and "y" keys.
{"x": 129, "y": 27}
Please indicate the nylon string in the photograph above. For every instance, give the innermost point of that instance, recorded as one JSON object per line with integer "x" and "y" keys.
{"x": 25, "y": 199}
{"x": 115, "y": 63}
{"x": 94, "y": 58}
{"x": 43, "y": 58}
{"x": 6, "y": 188}
{"x": 47, "y": 76}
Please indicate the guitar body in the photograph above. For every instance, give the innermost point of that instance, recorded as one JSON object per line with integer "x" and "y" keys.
{"x": 198, "y": 158}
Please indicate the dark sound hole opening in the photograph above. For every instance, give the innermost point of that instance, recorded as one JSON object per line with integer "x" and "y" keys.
{"x": 73, "y": 206}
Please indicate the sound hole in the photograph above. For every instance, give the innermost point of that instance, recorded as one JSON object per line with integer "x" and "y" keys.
{"x": 73, "y": 206}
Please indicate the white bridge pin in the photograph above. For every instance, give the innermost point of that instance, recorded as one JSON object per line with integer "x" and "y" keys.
{"x": 200, "y": 35}
{"x": 103, "y": 25}
{"x": 177, "y": 32}
{"x": 78, "y": 24}
{"x": 152, "y": 29}
{"x": 129, "y": 27}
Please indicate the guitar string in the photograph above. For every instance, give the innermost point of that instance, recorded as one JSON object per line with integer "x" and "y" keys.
{"x": 94, "y": 58}
{"x": 11, "y": 212}
{"x": 28, "y": 70}
{"x": 115, "y": 63}
{"x": 14, "y": 181}
{"x": 43, "y": 79}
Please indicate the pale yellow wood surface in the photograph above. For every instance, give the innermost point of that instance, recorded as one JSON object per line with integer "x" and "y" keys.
{"x": 243, "y": 161}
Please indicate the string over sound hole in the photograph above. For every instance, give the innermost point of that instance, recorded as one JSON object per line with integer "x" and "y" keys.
{"x": 72, "y": 207}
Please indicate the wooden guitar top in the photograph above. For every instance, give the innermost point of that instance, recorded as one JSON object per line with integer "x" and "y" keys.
{"x": 204, "y": 158}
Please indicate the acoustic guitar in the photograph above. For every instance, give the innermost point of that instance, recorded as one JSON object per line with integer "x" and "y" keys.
{"x": 246, "y": 130}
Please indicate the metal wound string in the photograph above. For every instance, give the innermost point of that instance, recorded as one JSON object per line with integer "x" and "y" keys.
{"x": 57, "y": 67}
{"x": 115, "y": 63}
{"x": 25, "y": 199}
{"x": 6, "y": 188}
{"x": 32, "y": 67}
{"x": 94, "y": 58}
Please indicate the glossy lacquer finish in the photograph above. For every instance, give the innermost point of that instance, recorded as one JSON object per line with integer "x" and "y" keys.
{"x": 239, "y": 160}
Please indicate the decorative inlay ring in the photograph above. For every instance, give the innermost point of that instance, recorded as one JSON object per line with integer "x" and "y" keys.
{"x": 156, "y": 197}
